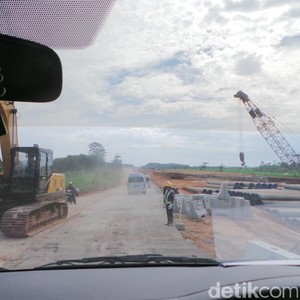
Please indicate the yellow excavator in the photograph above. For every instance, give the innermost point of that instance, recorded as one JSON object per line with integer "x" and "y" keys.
{"x": 31, "y": 195}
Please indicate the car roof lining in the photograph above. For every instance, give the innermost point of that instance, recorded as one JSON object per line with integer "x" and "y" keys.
{"x": 55, "y": 23}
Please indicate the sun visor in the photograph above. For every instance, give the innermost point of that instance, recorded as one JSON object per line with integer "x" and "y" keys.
{"x": 56, "y": 23}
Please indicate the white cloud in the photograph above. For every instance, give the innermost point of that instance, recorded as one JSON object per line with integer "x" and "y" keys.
{"x": 139, "y": 146}
{"x": 277, "y": 3}
{"x": 290, "y": 41}
{"x": 243, "y": 5}
{"x": 177, "y": 64}
{"x": 156, "y": 85}
{"x": 247, "y": 65}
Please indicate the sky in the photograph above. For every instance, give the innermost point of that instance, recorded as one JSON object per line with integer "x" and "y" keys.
{"x": 157, "y": 84}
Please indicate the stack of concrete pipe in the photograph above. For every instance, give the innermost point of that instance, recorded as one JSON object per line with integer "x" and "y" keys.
{"x": 243, "y": 185}
{"x": 257, "y": 196}
{"x": 283, "y": 202}
{"x": 254, "y": 198}
{"x": 199, "y": 205}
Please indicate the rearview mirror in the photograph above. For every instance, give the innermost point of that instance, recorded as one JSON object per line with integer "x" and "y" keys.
{"x": 29, "y": 72}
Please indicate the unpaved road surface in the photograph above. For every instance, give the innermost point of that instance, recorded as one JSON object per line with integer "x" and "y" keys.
{"x": 105, "y": 223}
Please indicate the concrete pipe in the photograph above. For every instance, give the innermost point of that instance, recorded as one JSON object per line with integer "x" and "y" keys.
{"x": 247, "y": 196}
{"x": 251, "y": 185}
{"x": 258, "y": 186}
{"x": 278, "y": 197}
{"x": 257, "y": 199}
{"x": 295, "y": 187}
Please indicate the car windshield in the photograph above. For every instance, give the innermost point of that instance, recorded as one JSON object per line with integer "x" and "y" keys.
{"x": 199, "y": 95}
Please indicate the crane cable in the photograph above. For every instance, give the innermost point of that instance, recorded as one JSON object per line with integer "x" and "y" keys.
{"x": 241, "y": 135}
{"x": 279, "y": 124}
{"x": 289, "y": 131}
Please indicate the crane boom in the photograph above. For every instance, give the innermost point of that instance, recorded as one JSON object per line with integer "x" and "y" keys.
{"x": 271, "y": 134}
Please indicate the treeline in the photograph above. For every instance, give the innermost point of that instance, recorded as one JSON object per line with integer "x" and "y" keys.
{"x": 86, "y": 162}
{"x": 81, "y": 162}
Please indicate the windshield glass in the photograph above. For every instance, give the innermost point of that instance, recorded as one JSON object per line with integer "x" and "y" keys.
{"x": 201, "y": 96}
{"x": 136, "y": 179}
{"x": 23, "y": 164}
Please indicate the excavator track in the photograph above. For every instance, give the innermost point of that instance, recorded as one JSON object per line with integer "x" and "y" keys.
{"x": 28, "y": 220}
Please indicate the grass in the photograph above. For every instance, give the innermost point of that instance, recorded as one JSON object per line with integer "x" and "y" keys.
{"x": 100, "y": 179}
{"x": 255, "y": 171}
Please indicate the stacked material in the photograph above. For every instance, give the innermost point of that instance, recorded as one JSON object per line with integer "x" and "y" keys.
{"x": 199, "y": 205}
{"x": 236, "y": 208}
{"x": 193, "y": 206}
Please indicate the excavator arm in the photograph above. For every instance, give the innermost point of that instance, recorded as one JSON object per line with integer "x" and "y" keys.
{"x": 9, "y": 136}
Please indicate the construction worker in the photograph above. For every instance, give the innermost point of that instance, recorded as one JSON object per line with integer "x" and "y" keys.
{"x": 73, "y": 191}
{"x": 168, "y": 201}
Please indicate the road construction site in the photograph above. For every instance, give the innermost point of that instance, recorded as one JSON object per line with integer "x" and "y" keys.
{"x": 273, "y": 219}
{"x": 113, "y": 222}
{"x": 100, "y": 224}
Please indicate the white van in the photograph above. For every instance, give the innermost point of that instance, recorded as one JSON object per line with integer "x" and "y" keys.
{"x": 136, "y": 183}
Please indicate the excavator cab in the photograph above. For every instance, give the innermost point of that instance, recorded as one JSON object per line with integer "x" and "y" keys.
{"x": 31, "y": 168}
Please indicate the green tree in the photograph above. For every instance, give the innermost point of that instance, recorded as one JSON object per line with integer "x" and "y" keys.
{"x": 74, "y": 163}
{"x": 97, "y": 150}
{"x": 117, "y": 161}
{"x": 204, "y": 165}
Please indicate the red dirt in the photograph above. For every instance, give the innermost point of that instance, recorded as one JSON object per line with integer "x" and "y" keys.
{"x": 199, "y": 232}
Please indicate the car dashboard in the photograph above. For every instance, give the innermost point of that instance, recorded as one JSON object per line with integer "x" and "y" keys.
{"x": 155, "y": 282}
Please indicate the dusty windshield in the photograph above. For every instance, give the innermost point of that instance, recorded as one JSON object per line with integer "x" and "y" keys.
{"x": 201, "y": 96}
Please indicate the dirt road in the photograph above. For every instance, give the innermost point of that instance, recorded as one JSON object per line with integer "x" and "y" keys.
{"x": 106, "y": 223}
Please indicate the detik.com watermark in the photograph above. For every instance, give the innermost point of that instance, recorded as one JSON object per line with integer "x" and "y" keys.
{"x": 247, "y": 290}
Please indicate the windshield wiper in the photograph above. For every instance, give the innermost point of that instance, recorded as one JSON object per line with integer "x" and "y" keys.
{"x": 142, "y": 259}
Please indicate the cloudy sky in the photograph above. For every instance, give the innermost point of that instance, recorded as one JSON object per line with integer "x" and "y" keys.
{"x": 157, "y": 85}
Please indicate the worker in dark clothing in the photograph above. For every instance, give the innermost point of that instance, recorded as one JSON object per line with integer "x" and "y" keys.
{"x": 71, "y": 187}
{"x": 168, "y": 201}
